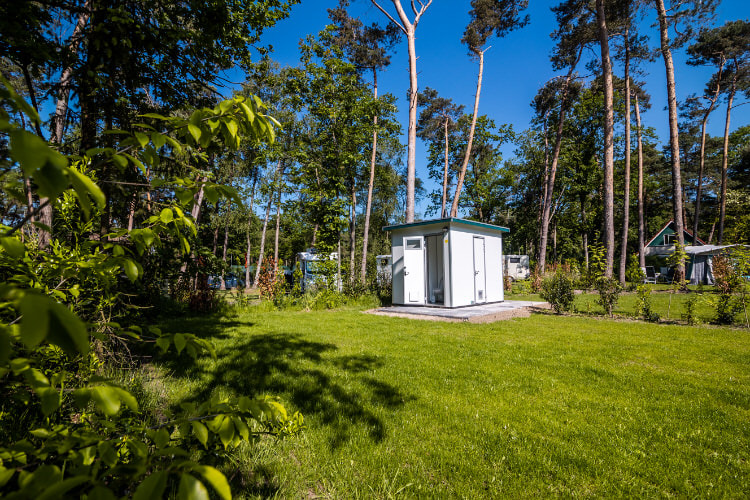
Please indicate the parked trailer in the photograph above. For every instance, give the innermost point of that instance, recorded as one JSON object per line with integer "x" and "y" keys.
{"x": 311, "y": 264}
{"x": 517, "y": 267}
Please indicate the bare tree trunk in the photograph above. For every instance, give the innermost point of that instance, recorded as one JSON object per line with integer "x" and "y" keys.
{"x": 469, "y": 144}
{"x": 370, "y": 186}
{"x": 247, "y": 234}
{"x": 409, "y": 29}
{"x": 708, "y": 112}
{"x": 195, "y": 212}
{"x": 276, "y": 234}
{"x": 673, "y": 132}
{"x": 216, "y": 233}
{"x": 131, "y": 211}
{"x": 353, "y": 233}
{"x": 626, "y": 201}
{"x": 641, "y": 221}
{"x": 584, "y": 232}
{"x": 315, "y": 235}
{"x": 725, "y": 158}
{"x": 223, "y": 285}
{"x": 61, "y": 109}
{"x": 711, "y": 234}
{"x": 549, "y": 187}
{"x": 443, "y": 212}
{"x": 263, "y": 239}
{"x": 265, "y": 224}
{"x": 609, "y": 120}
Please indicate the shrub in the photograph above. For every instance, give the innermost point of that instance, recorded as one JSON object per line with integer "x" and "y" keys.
{"x": 643, "y": 306}
{"x": 727, "y": 281}
{"x": 609, "y": 293}
{"x": 633, "y": 273}
{"x": 689, "y": 315}
{"x": 558, "y": 291}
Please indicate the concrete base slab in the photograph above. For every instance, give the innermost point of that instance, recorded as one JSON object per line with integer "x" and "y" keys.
{"x": 482, "y": 313}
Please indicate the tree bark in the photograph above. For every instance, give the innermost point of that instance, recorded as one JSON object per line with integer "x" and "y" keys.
{"x": 626, "y": 201}
{"x": 725, "y": 158}
{"x": 370, "y": 186}
{"x": 673, "y": 131}
{"x": 609, "y": 119}
{"x": 469, "y": 144}
{"x": 641, "y": 221}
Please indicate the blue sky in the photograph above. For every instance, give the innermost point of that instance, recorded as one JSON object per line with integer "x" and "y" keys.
{"x": 515, "y": 68}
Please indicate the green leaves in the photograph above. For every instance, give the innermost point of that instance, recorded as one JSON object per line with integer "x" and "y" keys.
{"x": 43, "y": 318}
{"x": 107, "y": 398}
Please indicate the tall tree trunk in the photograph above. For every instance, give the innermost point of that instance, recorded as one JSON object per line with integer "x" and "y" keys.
{"x": 195, "y": 212}
{"x": 247, "y": 233}
{"x": 223, "y": 285}
{"x": 216, "y": 233}
{"x": 61, "y": 110}
{"x": 409, "y": 29}
{"x": 549, "y": 187}
{"x": 469, "y": 144}
{"x": 696, "y": 218}
{"x": 353, "y": 233}
{"x": 412, "y": 137}
{"x": 315, "y": 235}
{"x": 370, "y": 186}
{"x": 673, "y": 132}
{"x": 725, "y": 158}
{"x": 609, "y": 125}
{"x": 584, "y": 230}
{"x": 443, "y": 212}
{"x": 641, "y": 220}
{"x": 265, "y": 223}
{"x": 276, "y": 234}
{"x": 626, "y": 201}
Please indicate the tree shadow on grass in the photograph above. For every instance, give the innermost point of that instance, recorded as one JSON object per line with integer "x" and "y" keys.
{"x": 341, "y": 392}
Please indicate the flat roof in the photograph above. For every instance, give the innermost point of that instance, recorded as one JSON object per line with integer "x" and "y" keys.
{"x": 449, "y": 220}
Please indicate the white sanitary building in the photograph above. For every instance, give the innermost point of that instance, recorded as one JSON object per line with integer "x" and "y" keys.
{"x": 447, "y": 263}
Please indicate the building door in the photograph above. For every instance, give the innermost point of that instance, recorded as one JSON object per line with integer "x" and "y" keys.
{"x": 414, "y": 285}
{"x": 480, "y": 278}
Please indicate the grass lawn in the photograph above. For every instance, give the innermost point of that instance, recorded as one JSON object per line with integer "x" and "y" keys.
{"x": 541, "y": 406}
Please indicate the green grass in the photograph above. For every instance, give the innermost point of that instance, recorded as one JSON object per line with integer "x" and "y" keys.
{"x": 542, "y": 406}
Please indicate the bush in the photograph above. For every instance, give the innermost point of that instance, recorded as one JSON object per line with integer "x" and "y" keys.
{"x": 643, "y": 306}
{"x": 609, "y": 293}
{"x": 689, "y": 315}
{"x": 558, "y": 291}
{"x": 633, "y": 273}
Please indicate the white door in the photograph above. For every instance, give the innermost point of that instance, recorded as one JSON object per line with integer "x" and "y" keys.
{"x": 480, "y": 281}
{"x": 414, "y": 270}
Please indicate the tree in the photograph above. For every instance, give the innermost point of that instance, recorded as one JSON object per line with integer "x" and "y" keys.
{"x": 680, "y": 10}
{"x": 409, "y": 28}
{"x": 435, "y": 121}
{"x": 367, "y": 47}
{"x": 488, "y": 17}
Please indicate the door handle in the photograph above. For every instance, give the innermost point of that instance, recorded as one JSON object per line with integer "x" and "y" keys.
{"x": 476, "y": 272}
{"x": 406, "y": 272}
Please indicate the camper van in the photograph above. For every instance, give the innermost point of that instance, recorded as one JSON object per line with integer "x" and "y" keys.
{"x": 517, "y": 267}
{"x": 311, "y": 263}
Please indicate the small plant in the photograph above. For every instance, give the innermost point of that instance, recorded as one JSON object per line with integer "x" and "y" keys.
{"x": 536, "y": 281}
{"x": 689, "y": 315}
{"x": 558, "y": 291}
{"x": 643, "y": 307}
{"x": 727, "y": 281}
{"x": 633, "y": 273}
{"x": 609, "y": 293}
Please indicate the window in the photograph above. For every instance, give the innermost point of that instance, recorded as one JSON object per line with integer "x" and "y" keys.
{"x": 670, "y": 239}
{"x": 414, "y": 244}
{"x": 515, "y": 260}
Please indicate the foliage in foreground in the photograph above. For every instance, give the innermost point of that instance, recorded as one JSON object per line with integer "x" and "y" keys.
{"x": 66, "y": 429}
